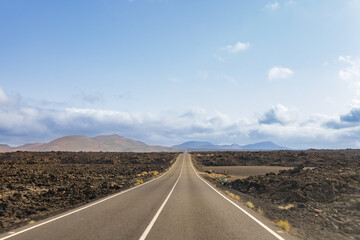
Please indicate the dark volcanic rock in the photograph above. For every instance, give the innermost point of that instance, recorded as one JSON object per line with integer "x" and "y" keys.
{"x": 322, "y": 185}
{"x": 320, "y": 203}
{"x": 309, "y": 158}
{"x": 36, "y": 185}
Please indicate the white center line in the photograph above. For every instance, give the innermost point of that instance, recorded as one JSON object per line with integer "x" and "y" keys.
{"x": 151, "y": 224}
{"x": 237, "y": 206}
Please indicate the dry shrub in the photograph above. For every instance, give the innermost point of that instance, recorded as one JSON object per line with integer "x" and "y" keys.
{"x": 260, "y": 211}
{"x": 284, "y": 225}
{"x": 287, "y": 207}
{"x": 250, "y": 205}
{"x": 138, "y": 182}
{"x": 234, "y": 196}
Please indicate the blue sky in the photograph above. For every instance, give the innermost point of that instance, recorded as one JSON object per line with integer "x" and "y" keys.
{"x": 170, "y": 71}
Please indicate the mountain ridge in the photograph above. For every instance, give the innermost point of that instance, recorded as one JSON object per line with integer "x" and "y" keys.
{"x": 117, "y": 143}
{"x": 199, "y": 145}
{"x": 77, "y": 143}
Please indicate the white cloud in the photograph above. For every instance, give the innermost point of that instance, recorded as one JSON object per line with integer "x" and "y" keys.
{"x": 3, "y": 96}
{"x": 282, "y": 124}
{"x": 351, "y": 72}
{"x": 237, "y": 47}
{"x": 280, "y": 114}
{"x": 279, "y": 73}
{"x": 355, "y": 103}
{"x": 272, "y": 6}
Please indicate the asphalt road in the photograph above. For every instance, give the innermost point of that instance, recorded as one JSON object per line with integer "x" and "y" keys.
{"x": 178, "y": 205}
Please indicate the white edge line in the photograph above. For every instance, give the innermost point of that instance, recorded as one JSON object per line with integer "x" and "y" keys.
{"x": 248, "y": 214}
{"x": 87, "y": 206}
{"x": 151, "y": 224}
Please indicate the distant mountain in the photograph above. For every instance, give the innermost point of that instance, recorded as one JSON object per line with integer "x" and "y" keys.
{"x": 267, "y": 145}
{"x": 116, "y": 143}
{"x": 30, "y": 146}
{"x": 71, "y": 143}
{"x": 76, "y": 143}
{"x": 5, "y": 148}
{"x": 197, "y": 145}
{"x": 231, "y": 147}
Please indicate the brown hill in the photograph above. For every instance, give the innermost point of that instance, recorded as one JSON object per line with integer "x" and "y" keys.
{"x": 5, "y": 148}
{"x": 116, "y": 143}
{"x": 29, "y": 147}
{"x": 76, "y": 143}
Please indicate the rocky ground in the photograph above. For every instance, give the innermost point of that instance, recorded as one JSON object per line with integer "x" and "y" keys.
{"x": 309, "y": 158}
{"x": 319, "y": 203}
{"x": 37, "y": 185}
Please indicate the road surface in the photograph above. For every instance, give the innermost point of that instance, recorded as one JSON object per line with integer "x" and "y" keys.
{"x": 178, "y": 205}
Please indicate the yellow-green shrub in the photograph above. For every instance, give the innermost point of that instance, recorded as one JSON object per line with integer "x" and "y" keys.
{"x": 284, "y": 225}
{"x": 250, "y": 205}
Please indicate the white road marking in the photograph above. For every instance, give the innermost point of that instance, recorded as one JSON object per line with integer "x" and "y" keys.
{"x": 87, "y": 206}
{"x": 151, "y": 224}
{"x": 237, "y": 206}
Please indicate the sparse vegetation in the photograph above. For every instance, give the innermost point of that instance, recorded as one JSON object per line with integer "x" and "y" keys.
{"x": 287, "y": 207}
{"x": 138, "y": 182}
{"x": 250, "y": 205}
{"x": 260, "y": 211}
{"x": 150, "y": 173}
{"x": 230, "y": 194}
{"x": 220, "y": 178}
{"x": 155, "y": 173}
{"x": 284, "y": 225}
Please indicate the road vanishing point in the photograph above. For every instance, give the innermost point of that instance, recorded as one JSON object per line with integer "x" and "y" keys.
{"x": 177, "y": 205}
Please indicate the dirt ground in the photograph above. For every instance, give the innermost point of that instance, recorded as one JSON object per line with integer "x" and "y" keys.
{"x": 319, "y": 203}
{"x": 37, "y": 185}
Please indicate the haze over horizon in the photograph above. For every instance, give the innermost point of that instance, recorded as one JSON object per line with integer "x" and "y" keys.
{"x": 165, "y": 71}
